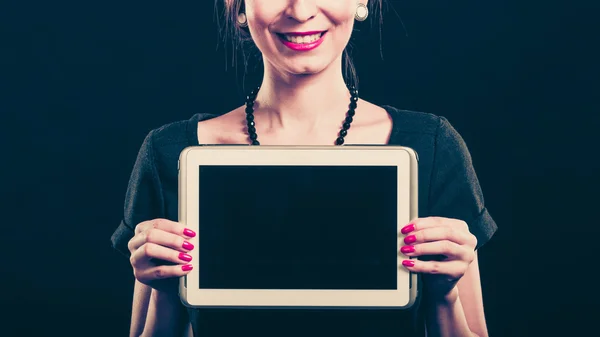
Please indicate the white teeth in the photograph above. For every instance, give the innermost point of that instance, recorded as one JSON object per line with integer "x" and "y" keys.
{"x": 303, "y": 39}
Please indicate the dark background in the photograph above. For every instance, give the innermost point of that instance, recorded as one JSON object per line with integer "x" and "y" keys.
{"x": 82, "y": 84}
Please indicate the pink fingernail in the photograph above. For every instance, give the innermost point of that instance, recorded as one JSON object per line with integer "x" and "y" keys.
{"x": 188, "y": 232}
{"x": 186, "y": 267}
{"x": 408, "y": 263}
{"x": 185, "y": 257}
{"x": 410, "y": 239}
{"x": 407, "y": 249}
{"x": 407, "y": 229}
{"x": 187, "y": 246}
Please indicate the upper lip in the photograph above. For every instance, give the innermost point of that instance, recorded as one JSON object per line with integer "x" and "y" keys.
{"x": 304, "y": 33}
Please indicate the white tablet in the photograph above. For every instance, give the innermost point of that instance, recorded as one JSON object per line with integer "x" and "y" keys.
{"x": 293, "y": 227}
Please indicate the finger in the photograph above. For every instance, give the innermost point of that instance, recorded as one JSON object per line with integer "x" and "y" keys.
{"x": 430, "y": 222}
{"x": 454, "y": 269}
{"x": 153, "y": 251}
{"x": 440, "y": 233}
{"x": 162, "y": 272}
{"x": 446, "y": 248}
{"x": 167, "y": 226}
{"x": 160, "y": 237}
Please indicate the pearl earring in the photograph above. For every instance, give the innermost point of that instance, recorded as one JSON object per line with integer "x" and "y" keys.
{"x": 242, "y": 20}
{"x": 362, "y": 12}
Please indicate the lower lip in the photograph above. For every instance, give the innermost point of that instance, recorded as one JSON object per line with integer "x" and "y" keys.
{"x": 302, "y": 46}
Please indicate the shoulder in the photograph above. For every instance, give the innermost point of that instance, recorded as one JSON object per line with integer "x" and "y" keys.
{"x": 169, "y": 133}
{"x": 165, "y": 143}
{"x": 410, "y": 121}
{"x": 435, "y": 131}
{"x": 176, "y": 134}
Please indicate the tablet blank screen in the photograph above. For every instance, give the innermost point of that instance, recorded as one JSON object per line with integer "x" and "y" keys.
{"x": 298, "y": 227}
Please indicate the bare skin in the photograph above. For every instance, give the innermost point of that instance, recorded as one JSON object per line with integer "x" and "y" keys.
{"x": 156, "y": 308}
{"x": 372, "y": 125}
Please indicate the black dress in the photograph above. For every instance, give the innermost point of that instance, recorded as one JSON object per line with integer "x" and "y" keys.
{"x": 448, "y": 187}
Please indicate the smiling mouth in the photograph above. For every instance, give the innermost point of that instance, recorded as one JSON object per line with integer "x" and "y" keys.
{"x": 301, "y": 38}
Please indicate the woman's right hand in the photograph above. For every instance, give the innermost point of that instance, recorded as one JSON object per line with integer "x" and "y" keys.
{"x": 159, "y": 253}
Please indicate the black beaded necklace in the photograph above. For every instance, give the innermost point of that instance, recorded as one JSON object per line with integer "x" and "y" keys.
{"x": 339, "y": 141}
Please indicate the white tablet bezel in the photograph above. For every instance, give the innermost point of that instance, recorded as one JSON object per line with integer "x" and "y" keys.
{"x": 192, "y": 158}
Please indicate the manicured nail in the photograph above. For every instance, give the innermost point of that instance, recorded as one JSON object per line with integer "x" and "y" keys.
{"x": 186, "y": 267}
{"x": 410, "y": 239}
{"x": 408, "y": 229}
{"x": 189, "y": 232}
{"x": 185, "y": 257}
{"x": 187, "y": 246}
{"x": 407, "y": 249}
{"x": 408, "y": 263}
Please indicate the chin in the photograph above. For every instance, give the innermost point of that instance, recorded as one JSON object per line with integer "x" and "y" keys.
{"x": 307, "y": 71}
{"x": 306, "y": 67}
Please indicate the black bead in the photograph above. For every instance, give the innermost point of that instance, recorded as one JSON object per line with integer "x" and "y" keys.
{"x": 349, "y": 119}
{"x": 354, "y": 98}
{"x": 346, "y": 126}
{"x": 339, "y": 141}
{"x": 255, "y": 142}
{"x": 253, "y": 136}
{"x": 352, "y": 105}
{"x": 251, "y": 123}
{"x": 250, "y": 117}
{"x": 251, "y": 129}
{"x": 250, "y": 104}
{"x": 343, "y": 133}
{"x": 353, "y": 92}
{"x": 249, "y": 110}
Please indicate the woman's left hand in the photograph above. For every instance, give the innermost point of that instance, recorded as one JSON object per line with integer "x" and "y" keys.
{"x": 449, "y": 239}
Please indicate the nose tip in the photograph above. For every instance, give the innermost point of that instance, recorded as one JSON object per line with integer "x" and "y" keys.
{"x": 301, "y": 18}
{"x": 301, "y": 11}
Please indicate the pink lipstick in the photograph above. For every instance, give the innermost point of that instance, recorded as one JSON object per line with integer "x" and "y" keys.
{"x": 302, "y": 41}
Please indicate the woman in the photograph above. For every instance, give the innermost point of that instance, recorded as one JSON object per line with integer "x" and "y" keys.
{"x": 304, "y": 99}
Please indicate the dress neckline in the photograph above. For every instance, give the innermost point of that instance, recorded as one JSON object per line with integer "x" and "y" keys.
{"x": 192, "y": 125}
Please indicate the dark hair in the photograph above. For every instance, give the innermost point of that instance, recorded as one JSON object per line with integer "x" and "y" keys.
{"x": 241, "y": 41}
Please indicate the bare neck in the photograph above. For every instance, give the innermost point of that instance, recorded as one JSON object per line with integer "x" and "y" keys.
{"x": 303, "y": 102}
